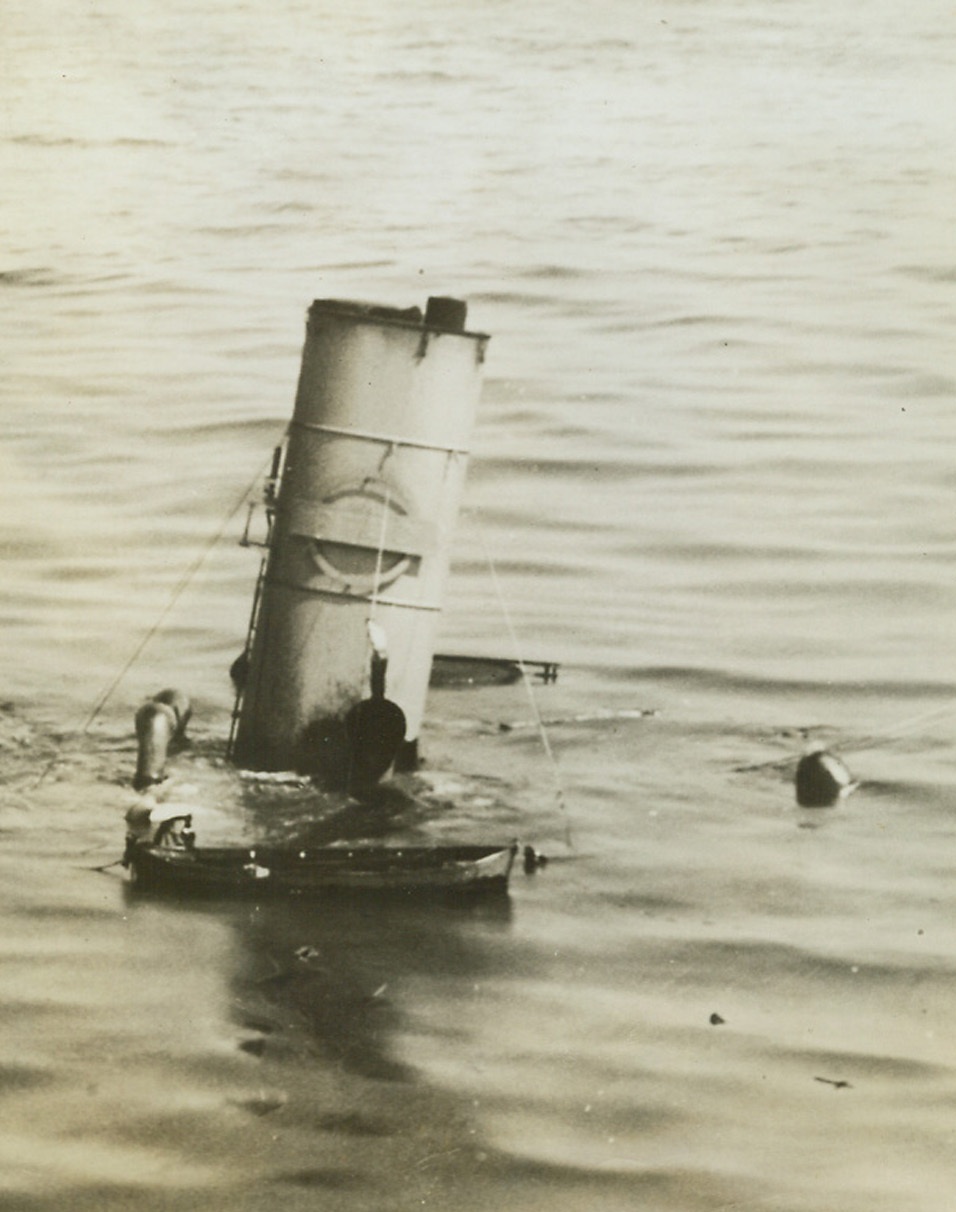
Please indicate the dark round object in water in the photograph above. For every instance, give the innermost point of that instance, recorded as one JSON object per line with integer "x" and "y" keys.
{"x": 822, "y": 778}
{"x": 533, "y": 860}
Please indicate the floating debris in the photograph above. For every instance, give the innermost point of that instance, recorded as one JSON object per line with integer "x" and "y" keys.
{"x": 589, "y": 717}
{"x": 533, "y": 860}
{"x": 454, "y": 670}
{"x": 822, "y": 779}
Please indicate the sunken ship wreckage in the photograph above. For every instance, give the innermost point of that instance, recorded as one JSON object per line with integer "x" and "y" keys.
{"x": 360, "y": 504}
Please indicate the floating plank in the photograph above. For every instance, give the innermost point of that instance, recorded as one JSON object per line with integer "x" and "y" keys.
{"x": 452, "y": 670}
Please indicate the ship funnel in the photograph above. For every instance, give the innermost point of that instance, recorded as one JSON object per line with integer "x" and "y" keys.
{"x": 359, "y": 547}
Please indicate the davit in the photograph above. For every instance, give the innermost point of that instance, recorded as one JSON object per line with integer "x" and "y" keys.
{"x": 159, "y": 722}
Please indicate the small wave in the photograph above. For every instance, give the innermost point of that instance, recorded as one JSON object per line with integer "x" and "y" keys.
{"x": 266, "y": 428}
{"x": 868, "y": 1064}
{"x": 755, "y": 962}
{"x": 243, "y": 231}
{"x": 23, "y": 1077}
{"x": 134, "y": 141}
{"x": 55, "y": 141}
{"x": 698, "y": 553}
{"x": 551, "y": 273}
{"x": 606, "y": 469}
{"x": 924, "y": 387}
{"x": 423, "y": 77}
{"x": 625, "y": 1181}
{"x": 729, "y": 682}
{"x": 301, "y": 208}
{"x": 329, "y": 1179}
{"x": 944, "y": 274}
{"x": 353, "y": 1123}
{"x": 47, "y": 141}
{"x": 38, "y": 276}
{"x": 513, "y": 298}
{"x": 335, "y": 267}
{"x": 688, "y": 321}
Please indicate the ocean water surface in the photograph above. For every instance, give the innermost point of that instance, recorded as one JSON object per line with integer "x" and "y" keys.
{"x": 711, "y": 477}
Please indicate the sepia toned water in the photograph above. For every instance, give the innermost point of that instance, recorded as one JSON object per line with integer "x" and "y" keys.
{"x": 712, "y": 474}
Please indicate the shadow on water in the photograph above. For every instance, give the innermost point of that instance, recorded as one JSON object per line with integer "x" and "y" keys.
{"x": 338, "y": 968}
{"x": 332, "y": 971}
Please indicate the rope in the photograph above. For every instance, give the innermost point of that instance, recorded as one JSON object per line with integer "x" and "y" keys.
{"x": 379, "y": 554}
{"x": 178, "y": 590}
{"x": 904, "y": 726}
{"x": 889, "y": 733}
{"x": 526, "y": 679}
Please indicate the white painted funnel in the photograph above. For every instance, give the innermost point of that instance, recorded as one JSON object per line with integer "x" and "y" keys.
{"x": 367, "y": 503}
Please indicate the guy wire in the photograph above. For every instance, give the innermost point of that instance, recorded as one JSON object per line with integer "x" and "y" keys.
{"x": 526, "y": 679}
{"x": 178, "y": 590}
{"x": 891, "y": 732}
{"x": 379, "y": 555}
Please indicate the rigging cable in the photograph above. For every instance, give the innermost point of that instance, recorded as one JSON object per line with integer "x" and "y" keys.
{"x": 891, "y": 732}
{"x": 526, "y": 679}
{"x": 178, "y": 590}
{"x": 379, "y": 554}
